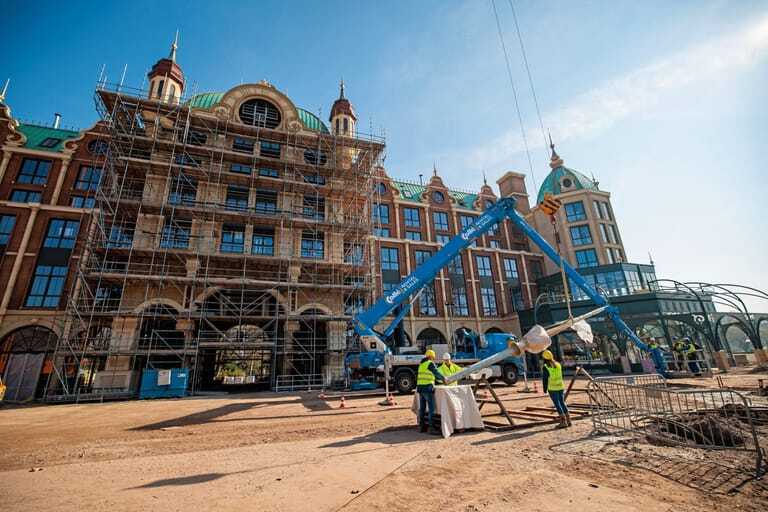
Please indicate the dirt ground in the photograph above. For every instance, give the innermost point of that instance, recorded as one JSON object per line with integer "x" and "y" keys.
{"x": 280, "y": 452}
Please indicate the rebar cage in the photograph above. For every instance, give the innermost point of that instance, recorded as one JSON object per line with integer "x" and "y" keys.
{"x": 644, "y": 407}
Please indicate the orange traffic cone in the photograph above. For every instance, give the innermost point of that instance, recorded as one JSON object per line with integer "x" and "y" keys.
{"x": 343, "y": 403}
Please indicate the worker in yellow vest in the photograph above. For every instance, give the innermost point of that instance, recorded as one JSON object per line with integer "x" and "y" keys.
{"x": 448, "y": 368}
{"x": 425, "y": 386}
{"x": 552, "y": 375}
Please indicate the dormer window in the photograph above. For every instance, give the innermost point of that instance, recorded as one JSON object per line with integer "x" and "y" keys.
{"x": 49, "y": 142}
{"x": 567, "y": 182}
{"x": 258, "y": 112}
{"x": 381, "y": 188}
{"x": 438, "y": 196}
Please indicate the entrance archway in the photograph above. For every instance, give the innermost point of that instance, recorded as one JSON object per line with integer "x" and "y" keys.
{"x": 26, "y": 361}
{"x": 429, "y": 336}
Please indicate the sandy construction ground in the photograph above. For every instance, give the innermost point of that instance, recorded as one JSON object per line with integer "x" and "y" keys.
{"x": 270, "y": 452}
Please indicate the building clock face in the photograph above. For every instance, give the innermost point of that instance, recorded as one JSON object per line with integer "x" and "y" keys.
{"x": 567, "y": 183}
{"x": 98, "y": 147}
{"x": 438, "y": 196}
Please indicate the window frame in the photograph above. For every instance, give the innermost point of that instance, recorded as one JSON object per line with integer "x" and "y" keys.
{"x": 440, "y": 221}
{"x": 66, "y": 238}
{"x": 36, "y": 176}
{"x": 55, "y": 276}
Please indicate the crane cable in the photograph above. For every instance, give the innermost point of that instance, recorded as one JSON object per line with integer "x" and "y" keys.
{"x": 514, "y": 94}
{"x": 528, "y": 72}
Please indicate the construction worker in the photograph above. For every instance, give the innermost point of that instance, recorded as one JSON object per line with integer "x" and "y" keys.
{"x": 552, "y": 376}
{"x": 425, "y": 386}
{"x": 690, "y": 350}
{"x": 657, "y": 355}
{"x": 448, "y": 368}
{"x": 679, "y": 349}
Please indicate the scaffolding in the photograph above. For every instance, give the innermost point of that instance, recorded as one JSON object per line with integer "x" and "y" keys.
{"x": 228, "y": 245}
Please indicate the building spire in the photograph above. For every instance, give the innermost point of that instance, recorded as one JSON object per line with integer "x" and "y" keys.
{"x": 174, "y": 47}
{"x": 434, "y": 169}
{"x": 485, "y": 181}
{"x": 555, "y": 161}
{"x": 5, "y": 89}
{"x": 341, "y": 89}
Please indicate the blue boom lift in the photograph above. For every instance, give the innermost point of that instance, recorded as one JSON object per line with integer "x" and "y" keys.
{"x": 376, "y": 346}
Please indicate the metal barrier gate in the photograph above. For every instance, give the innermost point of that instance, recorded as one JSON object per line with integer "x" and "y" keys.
{"x": 709, "y": 419}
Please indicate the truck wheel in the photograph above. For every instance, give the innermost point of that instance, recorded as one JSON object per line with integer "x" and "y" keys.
{"x": 405, "y": 381}
{"x": 509, "y": 374}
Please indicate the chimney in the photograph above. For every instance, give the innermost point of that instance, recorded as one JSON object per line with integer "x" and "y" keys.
{"x": 56, "y": 120}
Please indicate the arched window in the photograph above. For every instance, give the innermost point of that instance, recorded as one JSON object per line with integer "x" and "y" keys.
{"x": 258, "y": 112}
{"x": 346, "y": 125}
{"x": 429, "y": 336}
{"x": 172, "y": 92}
{"x": 160, "y": 86}
{"x": 338, "y": 125}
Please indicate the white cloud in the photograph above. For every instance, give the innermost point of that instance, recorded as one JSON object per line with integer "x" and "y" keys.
{"x": 636, "y": 92}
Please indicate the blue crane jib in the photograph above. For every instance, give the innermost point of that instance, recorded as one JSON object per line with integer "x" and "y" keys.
{"x": 366, "y": 320}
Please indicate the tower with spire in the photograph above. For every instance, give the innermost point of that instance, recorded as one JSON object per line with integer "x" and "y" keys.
{"x": 166, "y": 80}
{"x": 343, "y": 119}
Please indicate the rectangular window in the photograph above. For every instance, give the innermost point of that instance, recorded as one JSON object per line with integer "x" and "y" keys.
{"x": 441, "y": 221}
{"x": 34, "y": 171}
{"x": 120, "y": 237}
{"x": 243, "y": 145}
{"x": 537, "y": 270}
{"x": 314, "y": 207}
{"x": 312, "y": 245}
{"x": 442, "y": 239}
{"x": 510, "y": 269}
{"x": 187, "y": 159}
{"x": 603, "y": 233}
{"x": 598, "y": 211}
{"x": 83, "y": 202}
{"x": 381, "y": 214}
{"x": 466, "y": 221}
{"x": 494, "y": 230}
{"x": 427, "y": 303}
{"x": 586, "y": 258}
{"x": 241, "y": 169}
{"x": 390, "y": 258}
{"x": 619, "y": 256}
{"x": 609, "y": 255}
{"x": 460, "y": 304}
{"x": 195, "y": 138}
{"x": 183, "y": 190}
{"x": 270, "y": 149}
{"x": 614, "y": 234}
{"x": 413, "y": 235}
{"x": 483, "y": 266}
{"x": 494, "y": 244}
{"x": 421, "y": 256}
{"x": 316, "y": 179}
{"x": 518, "y": 304}
{"x": 606, "y": 211}
{"x": 61, "y": 234}
{"x": 232, "y": 238}
{"x": 488, "y": 297}
{"x": 382, "y": 232}
{"x": 7, "y": 222}
{"x": 237, "y": 198}
{"x": 574, "y": 212}
{"x": 456, "y": 266}
{"x": 412, "y": 219}
{"x": 26, "y": 196}
{"x": 266, "y": 202}
{"x": 263, "y": 242}
{"x": 47, "y": 287}
{"x": 580, "y": 235}
{"x": 353, "y": 254}
{"x": 176, "y": 234}
{"x": 268, "y": 172}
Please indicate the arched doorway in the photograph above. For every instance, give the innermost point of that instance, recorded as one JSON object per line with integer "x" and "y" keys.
{"x": 308, "y": 348}
{"x": 429, "y": 336}
{"x": 26, "y": 357}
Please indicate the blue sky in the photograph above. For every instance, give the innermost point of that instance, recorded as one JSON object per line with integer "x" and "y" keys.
{"x": 664, "y": 102}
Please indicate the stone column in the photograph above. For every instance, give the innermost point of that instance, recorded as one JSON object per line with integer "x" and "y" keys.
{"x": 60, "y": 180}
{"x": 291, "y": 326}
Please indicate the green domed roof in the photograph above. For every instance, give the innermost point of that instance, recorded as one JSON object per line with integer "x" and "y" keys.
{"x": 208, "y": 100}
{"x": 553, "y": 183}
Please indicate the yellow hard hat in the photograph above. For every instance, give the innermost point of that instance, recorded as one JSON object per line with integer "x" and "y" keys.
{"x": 430, "y": 353}
{"x": 547, "y": 355}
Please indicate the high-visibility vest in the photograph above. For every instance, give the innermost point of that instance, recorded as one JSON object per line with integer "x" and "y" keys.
{"x": 449, "y": 369}
{"x": 555, "y": 379}
{"x": 425, "y": 377}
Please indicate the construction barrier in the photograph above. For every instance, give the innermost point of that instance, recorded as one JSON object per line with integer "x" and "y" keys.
{"x": 644, "y": 407}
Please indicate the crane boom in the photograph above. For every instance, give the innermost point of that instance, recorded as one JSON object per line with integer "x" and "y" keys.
{"x": 365, "y": 322}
